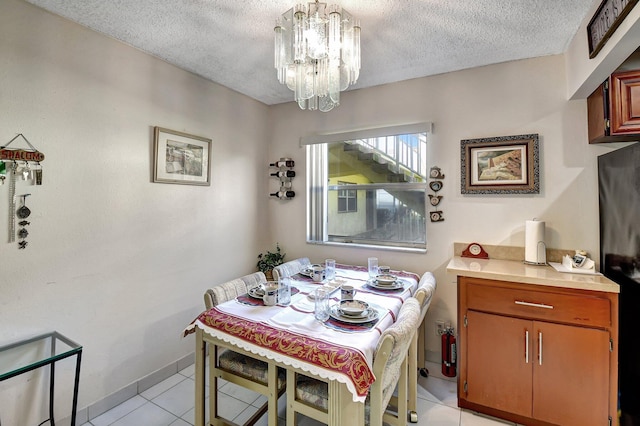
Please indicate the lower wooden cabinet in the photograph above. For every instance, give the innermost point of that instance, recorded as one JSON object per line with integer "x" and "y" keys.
{"x": 536, "y": 355}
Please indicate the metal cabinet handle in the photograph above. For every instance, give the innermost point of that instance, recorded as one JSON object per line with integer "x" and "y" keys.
{"x": 535, "y": 305}
{"x": 526, "y": 346}
{"x": 539, "y": 347}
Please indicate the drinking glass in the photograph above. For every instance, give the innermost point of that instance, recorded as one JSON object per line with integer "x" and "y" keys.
{"x": 284, "y": 291}
{"x": 330, "y": 269}
{"x": 321, "y": 304}
{"x": 373, "y": 267}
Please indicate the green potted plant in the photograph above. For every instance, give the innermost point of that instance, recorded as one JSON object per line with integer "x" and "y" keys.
{"x": 269, "y": 260}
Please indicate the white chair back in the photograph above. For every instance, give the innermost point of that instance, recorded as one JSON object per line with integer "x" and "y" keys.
{"x": 289, "y": 268}
{"x": 232, "y": 289}
{"x": 390, "y": 365}
{"x": 424, "y": 295}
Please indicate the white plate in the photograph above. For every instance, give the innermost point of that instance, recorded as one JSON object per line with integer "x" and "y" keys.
{"x": 397, "y": 285}
{"x": 371, "y": 314}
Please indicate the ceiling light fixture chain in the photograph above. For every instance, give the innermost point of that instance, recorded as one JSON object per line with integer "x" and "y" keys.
{"x": 317, "y": 53}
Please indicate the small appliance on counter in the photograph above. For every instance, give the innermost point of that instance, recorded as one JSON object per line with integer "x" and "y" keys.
{"x": 535, "y": 249}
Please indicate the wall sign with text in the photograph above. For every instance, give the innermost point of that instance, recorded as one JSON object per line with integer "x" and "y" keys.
{"x": 605, "y": 21}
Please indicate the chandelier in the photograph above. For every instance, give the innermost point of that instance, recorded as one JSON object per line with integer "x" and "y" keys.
{"x": 317, "y": 53}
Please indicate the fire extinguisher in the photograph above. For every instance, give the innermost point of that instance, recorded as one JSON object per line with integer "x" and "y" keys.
{"x": 449, "y": 353}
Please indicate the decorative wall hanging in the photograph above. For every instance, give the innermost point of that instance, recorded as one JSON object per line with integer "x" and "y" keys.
{"x": 26, "y": 164}
{"x": 500, "y": 165}
{"x": 434, "y": 199}
{"x": 285, "y": 174}
{"x": 605, "y": 22}
{"x": 23, "y": 212}
{"x": 181, "y": 158}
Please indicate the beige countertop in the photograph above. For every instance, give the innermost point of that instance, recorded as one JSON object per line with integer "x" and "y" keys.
{"x": 518, "y": 271}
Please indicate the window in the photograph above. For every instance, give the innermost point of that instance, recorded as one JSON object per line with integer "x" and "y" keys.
{"x": 347, "y": 199}
{"x": 368, "y": 187}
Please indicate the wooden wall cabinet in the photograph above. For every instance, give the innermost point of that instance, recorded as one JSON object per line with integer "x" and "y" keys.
{"x": 614, "y": 109}
{"x": 537, "y": 355}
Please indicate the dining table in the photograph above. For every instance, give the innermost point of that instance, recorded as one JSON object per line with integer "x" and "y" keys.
{"x": 339, "y": 351}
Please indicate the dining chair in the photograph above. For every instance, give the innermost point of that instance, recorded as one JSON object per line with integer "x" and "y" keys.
{"x": 310, "y": 396}
{"x": 424, "y": 294}
{"x": 289, "y": 268}
{"x": 239, "y": 367}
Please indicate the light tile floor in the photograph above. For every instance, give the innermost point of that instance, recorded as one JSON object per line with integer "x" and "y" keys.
{"x": 171, "y": 403}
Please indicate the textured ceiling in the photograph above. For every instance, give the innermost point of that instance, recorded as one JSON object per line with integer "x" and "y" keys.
{"x": 230, "y": 42}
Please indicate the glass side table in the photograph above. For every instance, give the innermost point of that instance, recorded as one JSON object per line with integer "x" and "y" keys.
{"x": 27, "y": 355}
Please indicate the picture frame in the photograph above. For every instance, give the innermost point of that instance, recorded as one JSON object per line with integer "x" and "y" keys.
{"x": 181, "y": 158}
{"x": 605, "y": 21}
{"x": 500, "y": 165}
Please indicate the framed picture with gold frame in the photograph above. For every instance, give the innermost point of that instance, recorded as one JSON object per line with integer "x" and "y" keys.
{"x": 181, "y": 158}
{"x": 500, "y": 165}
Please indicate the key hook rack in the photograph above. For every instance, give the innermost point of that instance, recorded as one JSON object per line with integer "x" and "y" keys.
{"x": 17, "y": 154}
{"x": 21, "y": 159}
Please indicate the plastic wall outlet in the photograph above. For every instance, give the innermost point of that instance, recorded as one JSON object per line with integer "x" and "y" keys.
{"x": 439, "y": 327}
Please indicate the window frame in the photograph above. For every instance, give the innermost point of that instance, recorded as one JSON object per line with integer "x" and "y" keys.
{"x": 318, "y": 187}
{"x": 349, "y": 194}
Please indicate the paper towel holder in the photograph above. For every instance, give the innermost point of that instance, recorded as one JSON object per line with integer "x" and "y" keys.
{"x": 541, "y": 255}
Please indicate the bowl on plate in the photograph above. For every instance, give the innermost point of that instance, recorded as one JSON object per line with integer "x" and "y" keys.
{"x": 353, "y": 308}
{"x": 386, "y": 279}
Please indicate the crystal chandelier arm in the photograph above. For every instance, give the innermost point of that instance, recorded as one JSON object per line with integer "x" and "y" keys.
{"x": 299, "y": 40}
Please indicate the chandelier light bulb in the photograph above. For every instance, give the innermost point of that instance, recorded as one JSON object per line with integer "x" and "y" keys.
{"x": 317, "y": 53}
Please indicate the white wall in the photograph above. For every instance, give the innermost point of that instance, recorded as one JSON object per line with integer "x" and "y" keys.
{"x": 506, "y": 99}
{"x": 115, "y": 261}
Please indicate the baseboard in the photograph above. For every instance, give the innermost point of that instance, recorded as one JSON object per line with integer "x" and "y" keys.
{"x": 105, "y": 404}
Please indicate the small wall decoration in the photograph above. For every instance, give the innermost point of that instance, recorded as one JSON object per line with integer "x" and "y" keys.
{"x": 16, "y": 162}
{"x": 500, "y": 165}
{"x": 181, "y": 158}
{"x": 605, "y": 22}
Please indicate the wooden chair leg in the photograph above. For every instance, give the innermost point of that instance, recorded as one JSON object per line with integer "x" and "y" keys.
{"x": 412, "y": 363}
{"x": 272, "y": 380}
{"x": 201, "y": 349}
{"x": 291, "y": 396}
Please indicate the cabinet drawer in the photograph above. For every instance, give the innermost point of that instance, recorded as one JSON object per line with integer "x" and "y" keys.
{"x": 548, "y": 306}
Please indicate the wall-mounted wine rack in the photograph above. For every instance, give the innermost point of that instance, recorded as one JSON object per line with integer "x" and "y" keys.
{"x": 285, "y": 174}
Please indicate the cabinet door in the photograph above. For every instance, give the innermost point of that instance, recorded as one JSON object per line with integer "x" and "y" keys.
{"x": 571, "y": 375}
{"x": 499, "y": 370}
{"x": 598, "y": 113}
{"x": 625, "y": 102}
